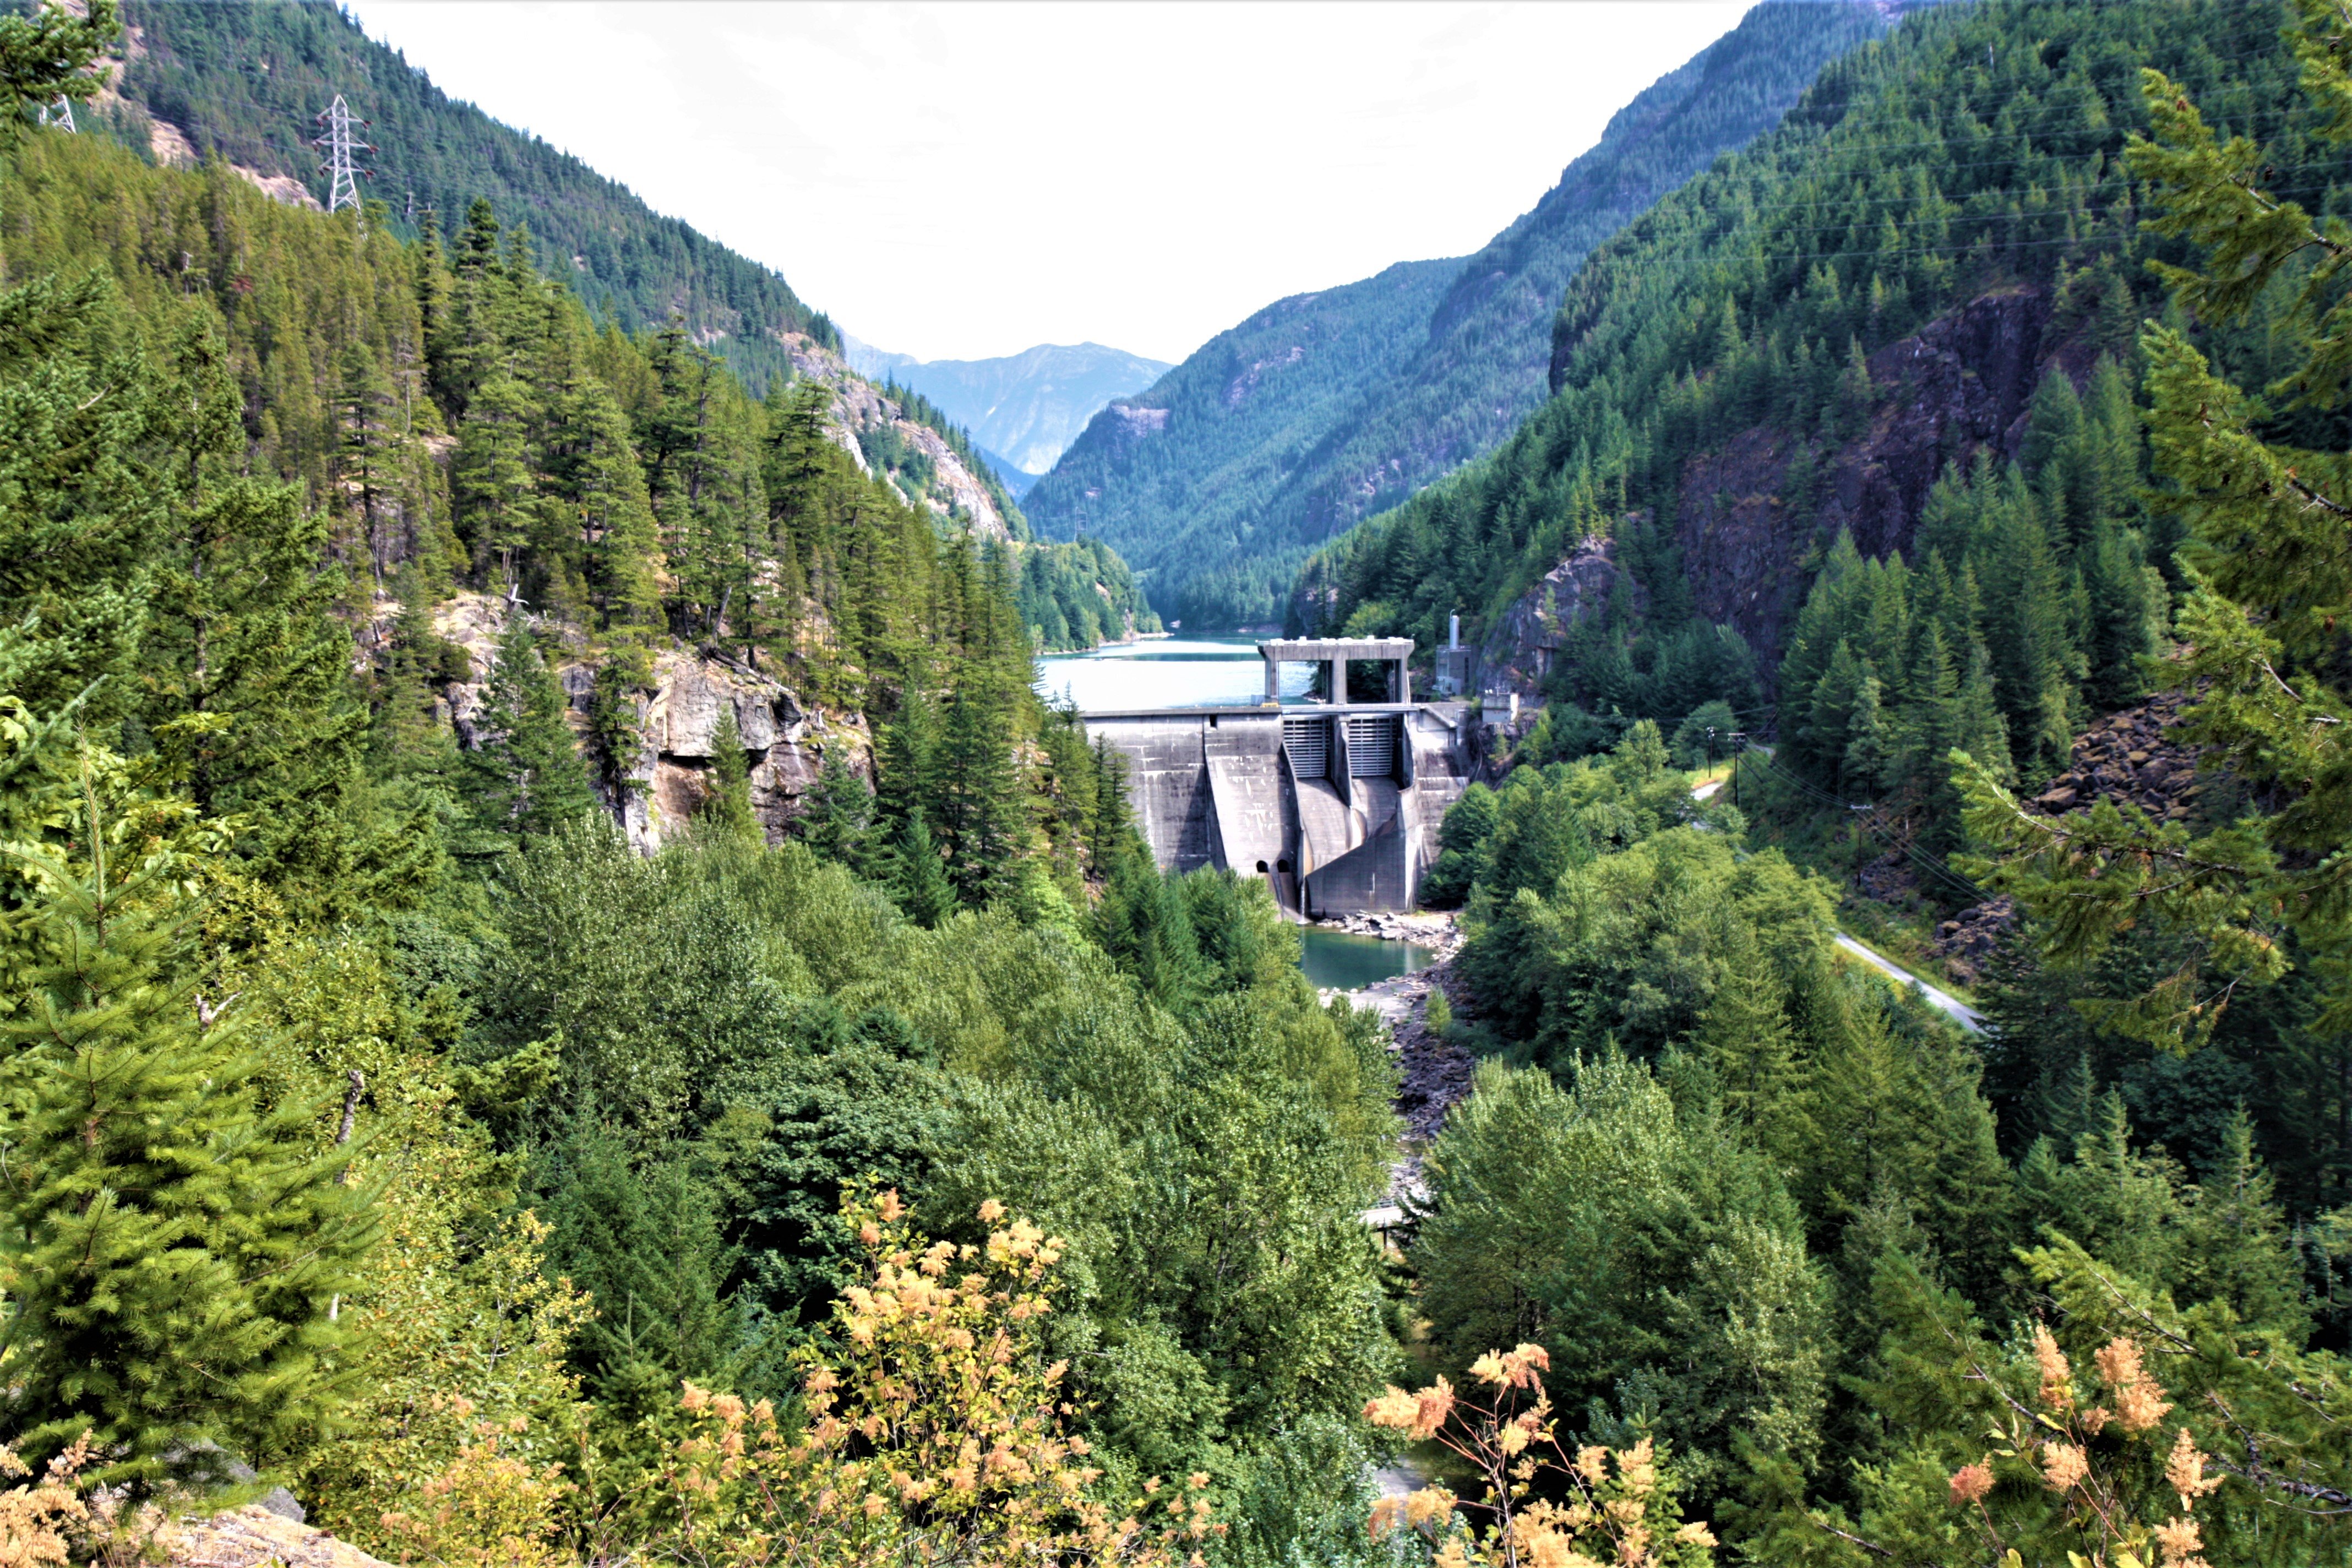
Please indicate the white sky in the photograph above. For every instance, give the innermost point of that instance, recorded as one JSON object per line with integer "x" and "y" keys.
{"x": 964, "y": 180}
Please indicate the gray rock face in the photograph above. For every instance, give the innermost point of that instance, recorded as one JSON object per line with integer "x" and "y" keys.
{"x": 677, "y": 724}
{"x": 784, "y": 742}
{"x": 1517, "y": 653}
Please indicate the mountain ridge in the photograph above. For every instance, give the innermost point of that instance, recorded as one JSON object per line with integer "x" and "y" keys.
{"x": 1215, "y": 553}
{"x": 1024, "y": 408}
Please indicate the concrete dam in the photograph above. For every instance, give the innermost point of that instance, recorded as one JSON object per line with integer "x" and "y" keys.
{"x": 1336, "y": 803}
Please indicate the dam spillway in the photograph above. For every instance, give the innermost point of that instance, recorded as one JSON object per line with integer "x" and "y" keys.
{"x": 1335, "y": 803}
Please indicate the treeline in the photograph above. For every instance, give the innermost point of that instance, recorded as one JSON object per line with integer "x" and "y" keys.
{"x": 1782, "y": 1219}
{"x": 2033, "y": 609}
{"x": 1974, "y": 150}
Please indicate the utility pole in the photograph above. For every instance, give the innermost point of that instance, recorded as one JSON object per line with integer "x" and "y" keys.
{"x": 60, "y": 114}
{"x": 338, "y": 142}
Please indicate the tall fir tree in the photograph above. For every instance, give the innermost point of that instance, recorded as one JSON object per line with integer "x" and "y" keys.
{"x": 525, "y": 778}
{"x": 174, "y": 1247}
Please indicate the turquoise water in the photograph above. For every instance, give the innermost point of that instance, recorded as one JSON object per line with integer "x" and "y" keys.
{"x": 1342, "y": 961}
{"x": 1168, "y": 672}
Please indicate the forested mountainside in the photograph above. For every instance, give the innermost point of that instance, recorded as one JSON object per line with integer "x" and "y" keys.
{"x": 1022, "y": 409}
{"x": 1848, "y": 425}
{"x": 918, "y": 1175}
{"x": 1322, "y": 410}
{"x": 242, "y": 79}
{"x": 245, "y": 78}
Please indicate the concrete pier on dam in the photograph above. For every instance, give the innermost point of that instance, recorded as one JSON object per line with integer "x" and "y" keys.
{"x": 1336, "y": 803}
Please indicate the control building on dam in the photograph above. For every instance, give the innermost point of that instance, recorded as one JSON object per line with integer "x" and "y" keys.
{"x": 1335, "y": 803}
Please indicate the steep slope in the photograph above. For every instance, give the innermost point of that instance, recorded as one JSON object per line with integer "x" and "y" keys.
{"x": 1849, "y": 420}
{"x": 1179, "y": 479}
{"x": 1219, "y": 513}
{"x": 242, "y": 78}
{"x": 1023, "y": 409}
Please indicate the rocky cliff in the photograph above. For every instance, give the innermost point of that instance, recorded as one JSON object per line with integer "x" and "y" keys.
{"x": 1750, "y": 512}
{"x": 669, "y": 774}
{"x": 1517, "y": 650}
{"x": 862, "y": 412}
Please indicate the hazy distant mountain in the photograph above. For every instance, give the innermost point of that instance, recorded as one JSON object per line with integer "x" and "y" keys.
{"x": 1325, "y": 408}
{"x": 1024, "y": 407}
{"x": 1014, "y": 477}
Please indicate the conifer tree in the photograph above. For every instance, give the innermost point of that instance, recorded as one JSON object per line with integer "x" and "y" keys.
{"x": 526, "y": 777}
{"x": 977, "y": 796}
{"x": 45, "y": 54}
{"x": 728, "y": 803}
{"x": 918, "y": 879}
{"x": 2268, "y": 619}
{"x": 840, "y": 813}
{"x": 174, "y": 1249}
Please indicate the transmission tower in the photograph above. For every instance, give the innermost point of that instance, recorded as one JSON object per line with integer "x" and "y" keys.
{"x": 60, "y": 114}
{"x": 339, "y": 142}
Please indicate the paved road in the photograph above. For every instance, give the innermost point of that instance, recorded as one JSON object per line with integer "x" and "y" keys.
{"x": 1960, "y": 1012}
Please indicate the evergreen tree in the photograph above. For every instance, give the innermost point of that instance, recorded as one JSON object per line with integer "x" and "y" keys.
{"x": 644, "y": 1242}
{"x": 2267, "y": 624}
{"x": 728, "y": 801}
{"x": 977, "y": 797}
{"x": 47, "y": 56}
{"x": 524, "y": 777}
{"x": 1142, "y": 924}
{"x": 175, "y": 1248}
{"x": 840, "y": 813}
{"x": 916, "y": 878}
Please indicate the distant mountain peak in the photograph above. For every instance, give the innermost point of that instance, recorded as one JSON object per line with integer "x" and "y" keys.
{"x": 1024, "y": 408}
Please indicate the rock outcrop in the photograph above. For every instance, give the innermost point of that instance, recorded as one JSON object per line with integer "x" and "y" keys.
{"x": 254, "y": 1537}
{"x": 859, "y": 406}
{"x": 1961, "y": 383}
{"x": 677, "y": 724}
{"x": 1518, "y": 651}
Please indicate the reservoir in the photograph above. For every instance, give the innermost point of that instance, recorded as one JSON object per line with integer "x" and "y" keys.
{"x": 1166, "y": 672}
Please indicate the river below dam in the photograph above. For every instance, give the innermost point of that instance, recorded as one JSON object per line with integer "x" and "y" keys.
{"x": 1220, "y": 672}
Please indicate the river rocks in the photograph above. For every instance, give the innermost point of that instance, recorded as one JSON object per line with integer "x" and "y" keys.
{"x": 1435, "y": 931}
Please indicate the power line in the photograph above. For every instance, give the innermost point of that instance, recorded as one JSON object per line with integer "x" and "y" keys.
{"x": 1931, "y": 864}
{"x": 60, "y": 114}
{"x": 338, "y": 142}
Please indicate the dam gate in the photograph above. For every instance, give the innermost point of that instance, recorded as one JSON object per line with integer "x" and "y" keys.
{"x": 1335, "y": 803}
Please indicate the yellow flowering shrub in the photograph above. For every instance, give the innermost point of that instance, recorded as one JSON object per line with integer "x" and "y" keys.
{"x": 489, "y": 1507}
{"x": 2096, "y": 1450}
{"x": 936, "y": 1435}
{"x": 1543, "y": 1507}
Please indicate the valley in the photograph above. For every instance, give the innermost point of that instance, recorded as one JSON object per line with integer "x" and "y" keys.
{"x": 1671, "y": 893}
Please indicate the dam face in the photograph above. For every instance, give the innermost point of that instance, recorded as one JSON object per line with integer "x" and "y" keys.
{"x": 1335, "y": 804}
